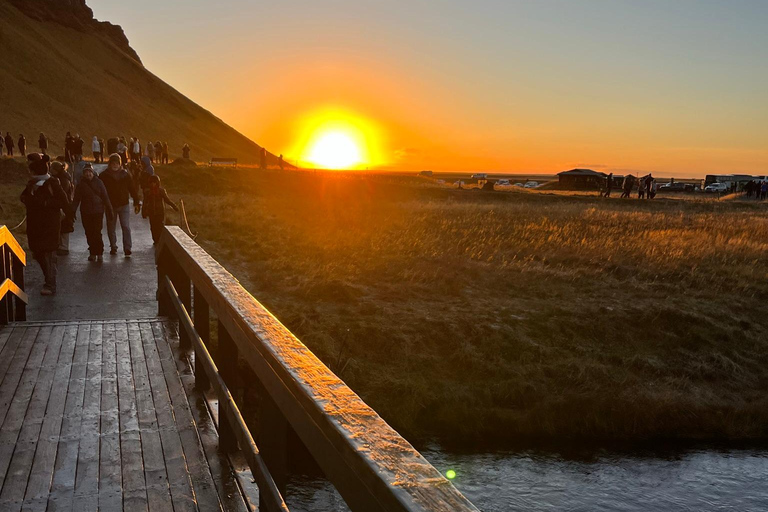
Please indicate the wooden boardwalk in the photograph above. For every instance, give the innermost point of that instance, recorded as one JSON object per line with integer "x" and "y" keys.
{"x": 102, "y": 415}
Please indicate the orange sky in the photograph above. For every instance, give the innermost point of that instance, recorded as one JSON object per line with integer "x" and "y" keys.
{"x": 676, "y": 88}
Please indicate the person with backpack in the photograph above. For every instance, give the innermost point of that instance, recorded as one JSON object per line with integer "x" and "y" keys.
{"x": 120, "y": 187}
{"x": 45, "y": 202}
{"x": 22, "y": 145}
{"x": 42, "y": 143}
{"x": 155, "y": 199}
{"x": 92, "y": 198}
{"x": 9, "y": 143}
{"x": 59, "y": 171}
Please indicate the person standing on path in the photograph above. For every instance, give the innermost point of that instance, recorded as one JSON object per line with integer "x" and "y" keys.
{"x": 263, "y": 158}
{"x": 9, "y": 143}
{"x": 77, "y": 148}
{"x": 120, "y": 187}
{"x": 45, "y": 202}
{"x": 96, "y": 148}
{"x": 92, "y": 198}
{"x": 155, "y": 199}
{"x": 608, "y": 185}
{"x": 185, "y": 152}
{"x": 122, "y": 152}
{"x": 59, "y": 171}
{"x": 22, "y": 145}
{"x": 68, "y": 148}
{"x": 150, "y": 151}
{"x": 164, "y": 160}
{"x": 42, "y": 143}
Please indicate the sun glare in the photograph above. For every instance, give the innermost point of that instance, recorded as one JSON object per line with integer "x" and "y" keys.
{"x": 333, "y": 138}
{"x": 335, "y": 150}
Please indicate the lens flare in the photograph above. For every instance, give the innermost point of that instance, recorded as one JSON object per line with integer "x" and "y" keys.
{"x": 450, "y": 474}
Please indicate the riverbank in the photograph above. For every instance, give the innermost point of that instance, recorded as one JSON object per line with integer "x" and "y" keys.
{"x": 496, "y": 318}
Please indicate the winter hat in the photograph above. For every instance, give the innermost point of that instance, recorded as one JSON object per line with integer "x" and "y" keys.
{"x": 38, "y": 163}
{"x": 57, "y": 167}
{"x": 147, "y": 162}
{"x": 114, "y": 157}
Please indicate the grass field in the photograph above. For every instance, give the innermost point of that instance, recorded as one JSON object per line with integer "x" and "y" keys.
{"x": 477, "y": 317}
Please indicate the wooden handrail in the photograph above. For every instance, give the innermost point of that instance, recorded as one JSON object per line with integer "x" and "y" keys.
{"x": 368, "y": 462}
{"x": 267, "y": 488}
{"x": 9, "y": 286}
{"x": 6, "y": 238}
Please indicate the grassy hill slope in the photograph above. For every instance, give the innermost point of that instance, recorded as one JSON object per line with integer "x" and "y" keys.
{"x": 56, "y": 77}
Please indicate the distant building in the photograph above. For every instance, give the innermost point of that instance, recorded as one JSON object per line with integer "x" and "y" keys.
{"x": 426, "y": 173}
{"x": 582, "y": 178}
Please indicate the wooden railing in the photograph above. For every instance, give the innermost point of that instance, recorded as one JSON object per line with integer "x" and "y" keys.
{"x": 13, "y": 299}
{"x": 369, "y": 463}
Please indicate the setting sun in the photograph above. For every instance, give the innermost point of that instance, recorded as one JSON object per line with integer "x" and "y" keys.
{"x": 335, "y": 138}
{"x": 335, "y": 150}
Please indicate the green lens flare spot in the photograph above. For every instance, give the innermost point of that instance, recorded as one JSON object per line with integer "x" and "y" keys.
{"x": 450, "y": 474}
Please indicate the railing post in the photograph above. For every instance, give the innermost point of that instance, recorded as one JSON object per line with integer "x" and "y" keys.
{"x": 6, "y": 304}
{"x": 273, "y": 442}
{"x": 227, "y": 363}
{"x": 182, "y": 285}
{"x": 203, "y": 327}
{"x": 18, "y": 278}
{"x": 164, "y": 307}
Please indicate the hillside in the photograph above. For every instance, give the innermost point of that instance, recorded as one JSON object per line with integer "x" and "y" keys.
{"x": 62, "y": 70}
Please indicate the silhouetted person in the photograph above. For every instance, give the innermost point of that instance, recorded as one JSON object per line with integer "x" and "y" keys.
{"x": 45, "y": 202}
{"x": 112, "y": 145}
{"x": 185, "y": 151}
{"x": 22, "y": 145}
{"x": 120, "y": 187}
{"x": 91, "y": 195}
{"x": 77, "y": 148}
{"x": 164, "y": 159}
{"x": 68, "y": 148}
{"x": 608, "y": 185}
{"x": 102, "y": 149}
{"x": 9, "y": 143}
{"x": 158, "y": 152}
{"x": 42, "y": 143}
{"x": 155, "y": 199}
{"x": 59, "y": 171}
{"x": 96, "y": 148}
{"x": 263, "y": 158}
{"x": 122, "y": 152}
{"x": 280, "y": 162}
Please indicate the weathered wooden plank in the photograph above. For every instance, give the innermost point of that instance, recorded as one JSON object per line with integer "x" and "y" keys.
{"x": 155, "y": 476}
{"x": 134, "y": 488}
{"x": 229, "y": 492}
{"x": 65, "y": 467}
{"x": 87, "y": 476}
{"x": 110, "y": 469}
{"x": 173, "y": 453}
{"x": 197, "y": 465}
{"x": 39, "y": 484}
{"x": 21, "y": 380}
{"x": 14, "y": 369}
{"x": 15, "y": 484}
{"x": 5, "y": 334}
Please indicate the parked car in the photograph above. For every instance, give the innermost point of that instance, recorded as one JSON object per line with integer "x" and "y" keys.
{"x": 502, "y": 183}
{"x": 531, "y": 184}
{"x": 717, "y": 187}
{"x": 677, "y": 187}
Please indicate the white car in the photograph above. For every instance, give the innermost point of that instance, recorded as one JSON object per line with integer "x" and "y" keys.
{"x": 716, "y": 187}
{"x": 531, "y": 184}
{"x": 502, "y": 183}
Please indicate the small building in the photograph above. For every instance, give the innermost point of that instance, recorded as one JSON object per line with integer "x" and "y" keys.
{"x": 581, "y": 178}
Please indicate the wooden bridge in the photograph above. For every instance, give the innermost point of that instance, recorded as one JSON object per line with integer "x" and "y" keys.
{"x": 107, "y": 405}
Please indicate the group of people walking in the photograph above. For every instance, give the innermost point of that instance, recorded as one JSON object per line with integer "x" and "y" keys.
{"x": 52, "y": 199}
{"x": 11, "y": 144}
{"x": 646, "y": 186}
{"x": 757, "y": 189}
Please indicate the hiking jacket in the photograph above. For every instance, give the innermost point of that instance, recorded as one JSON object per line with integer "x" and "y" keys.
{"x": 22, "y": 143}
{"x": 45, "y": 201}
{"x": 119, "y": 186}
{"x": 42, "y": 142}
{"x": 9, "y": 141}
{"x": 154, "y": 203}
{"x": 92, "y": 198}
{"x": 95, "y": 146}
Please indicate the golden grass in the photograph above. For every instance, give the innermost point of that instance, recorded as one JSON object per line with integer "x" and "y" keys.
{"x": 472, "y": 316}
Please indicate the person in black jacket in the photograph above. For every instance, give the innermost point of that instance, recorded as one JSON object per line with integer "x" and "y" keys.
{"x": 59, "y": 171}
{"x": 68, "y": 148}
{"x": 155, "y": 199}
{"x": 45, "y": 201}
{"x": 22, "y": 145}
{"x": 120, "y": 186}
{"x": 92, "y": 198}
{"x": 42, "y": 143}
{"x": 9, "y": 143}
